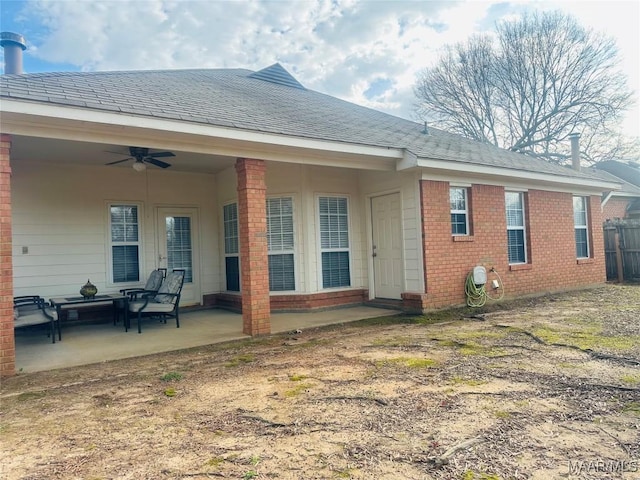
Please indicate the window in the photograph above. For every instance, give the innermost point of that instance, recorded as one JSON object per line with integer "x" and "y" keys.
{"x": 231, "y": 247}
{"x": 280, "y": 243}
{"x": 516, "y": 235}
{"x": 334, "y": 242}
{"x": 125, "y": 243}
{"x": 581, "y": 227}
{"x": 459, "y": 211}
{"x": 179, "y": 248}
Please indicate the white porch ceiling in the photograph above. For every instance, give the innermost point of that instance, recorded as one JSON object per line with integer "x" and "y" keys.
{"x": 67, "y": 152}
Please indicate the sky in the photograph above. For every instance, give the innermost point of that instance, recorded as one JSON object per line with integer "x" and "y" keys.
{"x": 367, "y": 52}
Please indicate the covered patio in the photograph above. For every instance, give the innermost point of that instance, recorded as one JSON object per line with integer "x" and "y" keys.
{"x": 89, "y": 343}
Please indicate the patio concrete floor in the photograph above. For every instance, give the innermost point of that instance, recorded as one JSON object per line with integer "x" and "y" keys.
{"x": 84, "y": 344}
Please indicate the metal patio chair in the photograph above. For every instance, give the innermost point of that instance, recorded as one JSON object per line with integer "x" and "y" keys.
{"x": 32, "y": 310}
{"x": 163, "y": 304}
{"x": 156, "y": 277}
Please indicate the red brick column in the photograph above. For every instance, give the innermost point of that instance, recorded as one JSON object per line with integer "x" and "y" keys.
{"x": 7, "y": 341}
{"x": 254, "y": 256}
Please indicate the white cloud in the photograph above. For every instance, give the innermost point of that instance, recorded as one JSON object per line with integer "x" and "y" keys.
{"x": 340, "y": 47}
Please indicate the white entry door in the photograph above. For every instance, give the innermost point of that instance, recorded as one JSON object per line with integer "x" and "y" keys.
{"x": 178, "y": 248}
{"x": 387, "y": 246}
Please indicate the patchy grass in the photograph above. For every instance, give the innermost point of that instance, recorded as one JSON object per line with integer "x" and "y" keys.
{"x": 471, "y": 475}
{"x": 588, "y": 337}
{"x": 473, "y": 348}
{"x": 501, "y": 414}
{"x": 395, "y": 341}
{"x": 388, "y": 320}
{"x": 318, "y": 405}
{"x": 171, "y": 377}
{"x": 410, "y": 362}
{"x": 467, "y": 381}
{"x": 297, "y": 390}
{"x": 215, "y": 462}
{"x": 27, "y": 396}
{"x": 632, "y": 407}
{"x": 630, "y": 379}
{"x": 240, "y": 359}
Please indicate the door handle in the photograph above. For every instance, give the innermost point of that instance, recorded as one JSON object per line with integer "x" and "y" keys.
{"x": 161, "y": 258}
{"x": 374, "y": 254}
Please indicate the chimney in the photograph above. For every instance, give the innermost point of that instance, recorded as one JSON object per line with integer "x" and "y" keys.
{"x": 13, "y": 45}
{"x": 575, "y": 151}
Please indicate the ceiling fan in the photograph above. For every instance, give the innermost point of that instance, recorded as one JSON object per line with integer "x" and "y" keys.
{"x": 142, "y": 156}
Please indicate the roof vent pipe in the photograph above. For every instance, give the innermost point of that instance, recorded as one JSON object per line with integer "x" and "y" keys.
{"x": 14, "y": 45}
{"x": 575, "y": 151}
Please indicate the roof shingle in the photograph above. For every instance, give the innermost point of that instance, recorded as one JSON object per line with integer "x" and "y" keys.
{"x": 256, "y": 102}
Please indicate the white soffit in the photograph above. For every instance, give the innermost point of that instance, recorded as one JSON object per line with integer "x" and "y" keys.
{"x": 78, "y": 124}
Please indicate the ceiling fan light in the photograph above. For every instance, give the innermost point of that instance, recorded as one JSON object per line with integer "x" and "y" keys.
{"x": 139, "y": 166}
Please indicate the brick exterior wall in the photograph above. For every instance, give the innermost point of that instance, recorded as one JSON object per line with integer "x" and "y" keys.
{"x": 615, "y": 208}
{"x": 552, "y": 263}
{"x": 254, "y": 256}
{"x": 7, "y": 340}
{"x": 296, "y": 302}
{"x": 318, "y": 301}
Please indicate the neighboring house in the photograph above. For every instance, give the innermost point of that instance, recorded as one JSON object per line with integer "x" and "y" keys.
{"x": 623, "y": 203}
{"x": 277, "y": 198}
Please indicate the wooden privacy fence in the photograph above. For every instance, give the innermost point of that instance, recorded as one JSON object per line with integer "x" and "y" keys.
{"x": 622, "y": 249}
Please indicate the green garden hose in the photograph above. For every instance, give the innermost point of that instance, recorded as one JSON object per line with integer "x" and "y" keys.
{"x": 476, "y": 294}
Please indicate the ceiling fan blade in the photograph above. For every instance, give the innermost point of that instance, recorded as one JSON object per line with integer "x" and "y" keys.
{"x": 157, "y": 163}
{"x": 119, "y": 161}
{"x": 162, "y": 154}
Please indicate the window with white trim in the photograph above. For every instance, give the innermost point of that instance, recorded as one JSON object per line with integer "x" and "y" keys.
{"x": 125, "y": 243}
{"x": 516, "y": 234}
{"x": 231, "y": 247}
{"x": 334, "y": 242}
{"x": 459, "y": 211}
{"x": 581, "y": 227}
{"x": 280, "y": 241}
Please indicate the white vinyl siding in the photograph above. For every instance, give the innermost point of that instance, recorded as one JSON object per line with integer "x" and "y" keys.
{"x": 459, "y": 211}
{"x": 334, "y": 242}
{"x": 581, "y": 227}
{"x": 280, "y": 240}
{"x": 516, "y": 234}
{"x": 125, "y": 243}
{"x": 231, "y": 247}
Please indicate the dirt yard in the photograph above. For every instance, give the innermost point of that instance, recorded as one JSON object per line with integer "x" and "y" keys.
{"x": 546, "y": 388}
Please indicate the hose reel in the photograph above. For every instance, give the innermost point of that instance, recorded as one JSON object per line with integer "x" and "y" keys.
{"x": 476, "y": 287}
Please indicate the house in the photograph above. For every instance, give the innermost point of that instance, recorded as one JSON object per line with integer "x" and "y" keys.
{"x": 277, "y": 197}
{"x": 625, "y": 202}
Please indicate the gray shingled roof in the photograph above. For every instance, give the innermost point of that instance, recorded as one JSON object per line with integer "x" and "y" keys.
{"x": 627, "y": 171}
{"x": 235, "y": 98}
{"x": 627, "y": 188}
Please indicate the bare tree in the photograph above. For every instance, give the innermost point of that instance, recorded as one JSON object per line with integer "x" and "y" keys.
{"x": 542, "y": 77}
